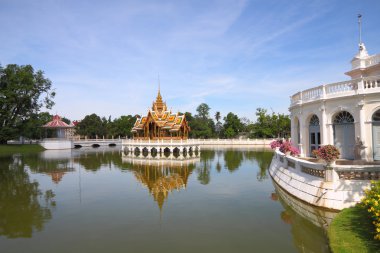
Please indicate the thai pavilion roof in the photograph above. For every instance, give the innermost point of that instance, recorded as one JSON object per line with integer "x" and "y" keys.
{"x": 161, "y": 116}
{"x": 57, "y": 123}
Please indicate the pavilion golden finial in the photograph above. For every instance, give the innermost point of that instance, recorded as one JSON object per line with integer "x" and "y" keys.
{"x": 159, "y": 97}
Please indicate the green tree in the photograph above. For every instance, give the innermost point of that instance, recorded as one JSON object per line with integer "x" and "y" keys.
{"x": 66, "y": 120}
{"x": 232, "y": 125}
{"x": 201, "y": 125}
{"x": 23, "y": 92}
{"x": 217, "y": 116}
{"x": 271, "y": 126}
{"x": 203, "y": 111}
{"x": 122, "y": 126}
{"x": 31, "y": 128}
{"x": 92, "y": 126}
{"x": 218, "y": 126}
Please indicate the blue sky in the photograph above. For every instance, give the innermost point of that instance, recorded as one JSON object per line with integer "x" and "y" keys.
{"x": 104, "y": 57}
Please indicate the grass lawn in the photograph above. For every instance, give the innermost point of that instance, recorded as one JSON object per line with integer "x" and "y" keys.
{"x": 352, "y": 231}
{"x": 27, "y": 148}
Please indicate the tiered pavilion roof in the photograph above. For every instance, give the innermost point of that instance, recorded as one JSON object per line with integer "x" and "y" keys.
{"x": 161, "y": 123}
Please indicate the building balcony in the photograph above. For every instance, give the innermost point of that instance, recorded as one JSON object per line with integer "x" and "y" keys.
{"x": 365, "y": 85}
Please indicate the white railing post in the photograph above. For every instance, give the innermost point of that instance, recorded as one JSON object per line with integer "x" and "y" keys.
{"x": 323, "y": 91}
{"x": 361, "y": 86}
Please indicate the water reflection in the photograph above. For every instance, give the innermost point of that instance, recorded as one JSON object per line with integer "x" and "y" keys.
{"x": 229, "y": 198}
{"x": 304, "y": 220}
{"x": 94, "y": 159}
{"x": 161, "y": 176}
{"x": 50, "y": 162}
{"x": 23, "y": 207}
{"x": 204, "y": 167}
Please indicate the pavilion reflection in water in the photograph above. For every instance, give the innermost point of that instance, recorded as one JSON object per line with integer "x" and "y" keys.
{"x": 162, "y": 175}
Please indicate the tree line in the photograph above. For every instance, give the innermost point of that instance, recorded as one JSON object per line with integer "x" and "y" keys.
{"x": 267, "y": 125}
{"x": 24, "y": 92}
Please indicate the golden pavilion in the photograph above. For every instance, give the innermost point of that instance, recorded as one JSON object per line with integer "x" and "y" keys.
{"x": 161, "y": 123}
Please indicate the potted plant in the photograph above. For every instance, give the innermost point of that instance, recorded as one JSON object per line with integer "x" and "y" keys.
{"x": 285, "y": 147}
{"x": 328, "y": 153}
{"x": 275, "y": 144}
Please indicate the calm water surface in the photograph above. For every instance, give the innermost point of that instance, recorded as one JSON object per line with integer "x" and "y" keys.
{"x": 98, "y": 201}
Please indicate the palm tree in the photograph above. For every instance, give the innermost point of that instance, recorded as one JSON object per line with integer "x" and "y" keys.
{"x": 217, "y": 116}
{"x": 218, "y": 124}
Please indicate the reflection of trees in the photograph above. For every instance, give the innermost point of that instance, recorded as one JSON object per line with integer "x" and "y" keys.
{"x": 263, "y": 159}
{"x": 160, "y": 179}
{"x": 233, "y": 159}
{"x": 204, "y": 167}
{"x": 93, "y": 161}
{"x": 218, "y": 165}
{"x": 21, "y": 208}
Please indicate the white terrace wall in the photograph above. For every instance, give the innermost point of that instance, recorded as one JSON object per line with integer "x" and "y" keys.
{"x": 337, "y": 188}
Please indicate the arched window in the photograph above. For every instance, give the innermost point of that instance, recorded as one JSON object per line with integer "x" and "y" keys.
{"x": 343, "y": 118}
{"x": 376, "y": 116}
{"x": 314, "y": 120}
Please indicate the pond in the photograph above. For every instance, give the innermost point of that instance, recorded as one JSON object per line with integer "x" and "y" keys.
{"x": 97, "y": 200}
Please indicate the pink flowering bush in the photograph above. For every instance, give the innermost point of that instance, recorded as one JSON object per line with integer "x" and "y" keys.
{"x": 329, "y": 153}
{"x": 294, "y": 151}
{"x": 275, "y": 144}
{"x": 285, "y": 147}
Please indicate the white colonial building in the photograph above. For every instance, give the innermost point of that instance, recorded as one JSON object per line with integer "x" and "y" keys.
{"x": 345, "y": 114}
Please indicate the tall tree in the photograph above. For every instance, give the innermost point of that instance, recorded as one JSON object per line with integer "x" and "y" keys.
{"x": 232, "y": 125}
{"x": 202, "y": 126}
{"x": 31, "y": 128}
{"x": 203, "y": 111}
{"x": 270, "y": 126}
{"x": 218, "y": 125}
{"x": 92, "y": 126}
{"x": 217, "y": 116}
{"x": 23, "y": 92}
{"x": 121, "y": 126}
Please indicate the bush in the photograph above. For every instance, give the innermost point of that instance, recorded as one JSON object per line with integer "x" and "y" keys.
{"x": 372, "y": 202}
{"x": 329, "y": 153}
{"x": 285, "y": 146}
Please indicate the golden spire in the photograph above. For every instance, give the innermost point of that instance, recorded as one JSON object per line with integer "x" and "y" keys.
{"x": 159, "y": 97}
{"x": 159, "y": 106}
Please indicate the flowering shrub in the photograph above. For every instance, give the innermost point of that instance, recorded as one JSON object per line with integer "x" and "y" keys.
{"x": 285, "y": 146}
{"x": 294, "y": 151}
{"x": 275, "y": 144}
{"x": 329, "y": 153}
{"x": 372, "y": 202}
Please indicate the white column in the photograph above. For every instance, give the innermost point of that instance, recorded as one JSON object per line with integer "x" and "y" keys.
{"x": 363, "y": 152}
{"x": 301, "y": 145}
{"x": 323, "y": 126}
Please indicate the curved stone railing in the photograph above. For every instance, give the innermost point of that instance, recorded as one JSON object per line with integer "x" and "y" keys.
{"x": 336, "y": 188}
{"x": 364, "y": 85}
